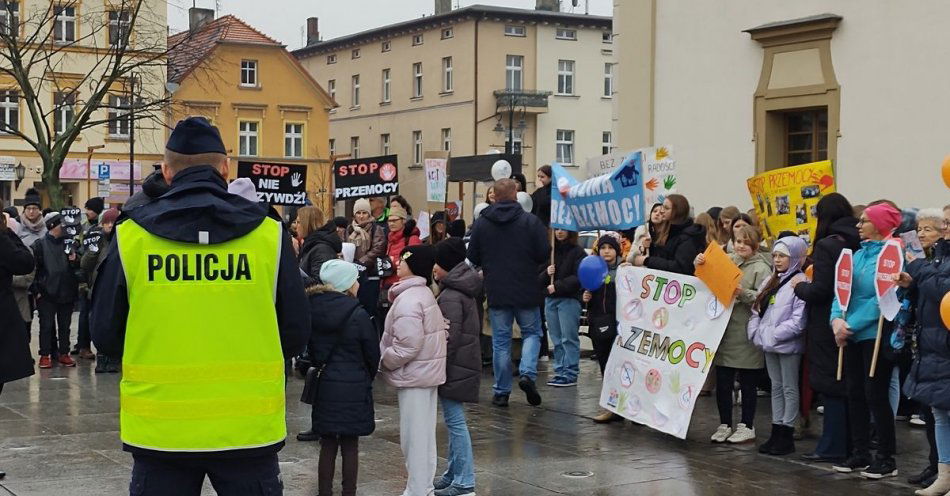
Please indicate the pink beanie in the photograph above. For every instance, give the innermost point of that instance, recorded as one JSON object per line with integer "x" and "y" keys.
{"x": 884, "y": 217}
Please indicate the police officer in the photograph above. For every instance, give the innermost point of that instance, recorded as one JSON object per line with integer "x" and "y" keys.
{"x": 201, "y": 297}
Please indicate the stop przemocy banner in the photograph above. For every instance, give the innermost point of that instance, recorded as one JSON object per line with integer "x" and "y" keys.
{"x": 613, "y": 202}
{"x": 668, "y": 331}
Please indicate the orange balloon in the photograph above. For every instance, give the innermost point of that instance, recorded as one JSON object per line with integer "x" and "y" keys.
{"x": 946, "y": 170}
{"x": 945, "y": 310}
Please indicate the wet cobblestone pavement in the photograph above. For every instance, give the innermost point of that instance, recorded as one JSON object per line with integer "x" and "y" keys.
{"x": 59, "y": 435}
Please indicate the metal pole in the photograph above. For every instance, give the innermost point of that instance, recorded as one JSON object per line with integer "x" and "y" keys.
{"x": 510, "y": 145}
{"x": 131, "y": 134}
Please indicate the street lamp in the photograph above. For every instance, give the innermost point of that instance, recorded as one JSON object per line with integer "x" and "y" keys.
{"x": 19, "y": 173}
{"x": 89, "y": 151}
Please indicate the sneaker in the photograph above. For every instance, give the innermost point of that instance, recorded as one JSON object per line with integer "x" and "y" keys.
{"x": 926, "y": 474}
{"x": 742, "y": 434}
{"x": 87, "y": 354}
{"x": 917, "y": 421}
{"x": 46, "y": 362}
{"x": 821, "y": 410}
{"x": 308, "y": 436}
{"x": 455, "y": 491}
{"x": 441, "y": 482}
{"x": 553, "y": 380}
{"x": 66, "y": 361}
{"x": 562, "y": 382}
{"x": 607, "y": 417}
{"x": 500, "y": 400}
{"x": 721, "y": 434}
{"x": 530, "y": 390}
{"x": 852, "y": 464}
{"x": 881, "y": 468}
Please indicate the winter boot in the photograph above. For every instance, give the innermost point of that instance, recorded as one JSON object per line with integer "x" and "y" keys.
{"x": 766, "y": 447}
{"x": 941, "y": 486}
{"x": 786, "y": 441}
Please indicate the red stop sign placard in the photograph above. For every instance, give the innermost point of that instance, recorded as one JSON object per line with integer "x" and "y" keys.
{"x": 843, "y": 276}
{"x": 889, "y": 263}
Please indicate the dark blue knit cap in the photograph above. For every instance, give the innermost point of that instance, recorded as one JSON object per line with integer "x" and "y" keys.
{"x": 195, "y": 135}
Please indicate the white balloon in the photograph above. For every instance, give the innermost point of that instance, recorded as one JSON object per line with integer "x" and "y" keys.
{"x": 479, "y": 208}
{"x": 525, "y": 200}
{"x": 501, "y": 170}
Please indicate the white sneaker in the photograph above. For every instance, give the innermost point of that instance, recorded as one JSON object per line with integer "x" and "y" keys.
{"x": 722, "y": 433}
{"x": 916, "y": 420}
{"x": 742, "y": 434}
{"x": 821, "y": 410}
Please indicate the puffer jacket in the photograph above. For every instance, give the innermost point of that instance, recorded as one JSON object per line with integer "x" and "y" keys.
{"x": 415, "y": 337}
{"x": 396, "y": 241}
{"x": 929, "y": 377}
{"x": 463, "y": 364}
{"x": 781, "y": 329}
{"x": 683, "y": 243}
{"x": 319, "y": 247}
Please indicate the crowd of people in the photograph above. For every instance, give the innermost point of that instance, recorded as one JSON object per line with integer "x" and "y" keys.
{"x": 384, "y": 300}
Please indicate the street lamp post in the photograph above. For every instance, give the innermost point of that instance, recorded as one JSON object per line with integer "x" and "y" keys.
{"x": 131, "y": 134}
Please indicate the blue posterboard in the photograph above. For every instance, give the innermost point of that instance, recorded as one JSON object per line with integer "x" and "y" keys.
{"x": 611, "y": 202}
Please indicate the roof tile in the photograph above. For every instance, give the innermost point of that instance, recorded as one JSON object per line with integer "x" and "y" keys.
{"x": 188, "y": 49}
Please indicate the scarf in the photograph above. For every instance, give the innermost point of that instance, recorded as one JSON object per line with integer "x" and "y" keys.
{"x": 32, "y": 226}
{"x": 360, "y": 237}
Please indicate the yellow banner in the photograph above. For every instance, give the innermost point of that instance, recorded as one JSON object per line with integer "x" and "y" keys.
{"x": 785, "y": 198}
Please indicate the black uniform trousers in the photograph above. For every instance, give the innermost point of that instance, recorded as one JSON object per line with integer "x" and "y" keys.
{"x": 54, "y": 317}
{"x": 163, "y": 476}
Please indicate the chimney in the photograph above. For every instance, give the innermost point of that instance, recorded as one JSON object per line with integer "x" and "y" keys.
{"x": 443, "y": 6}
{"x": 313, "y": 30}
{"x": 549, "y": 5}
{"x": 198, "y": 17}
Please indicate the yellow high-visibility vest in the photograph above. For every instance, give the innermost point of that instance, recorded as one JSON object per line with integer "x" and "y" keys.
{"x": 202, "y": 368}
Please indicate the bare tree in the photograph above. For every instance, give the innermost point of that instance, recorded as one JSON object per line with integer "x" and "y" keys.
{"x": 121, "y": 50}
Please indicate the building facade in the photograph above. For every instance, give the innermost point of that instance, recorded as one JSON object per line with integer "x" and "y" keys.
{"x": 743, "y": 87}
{"x": 80, "y": 41}
{"x": 265, "y": 104}
{"x": 462, "y": 81}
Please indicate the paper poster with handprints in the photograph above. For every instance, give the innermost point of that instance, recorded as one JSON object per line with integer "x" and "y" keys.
{"x": 659, "y": 175}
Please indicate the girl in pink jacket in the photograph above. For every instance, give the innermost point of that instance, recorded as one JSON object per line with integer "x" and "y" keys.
{"x": 413, "y": 352}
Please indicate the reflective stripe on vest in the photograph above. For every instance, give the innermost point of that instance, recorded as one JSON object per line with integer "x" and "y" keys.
{"x": 202, "y": 368}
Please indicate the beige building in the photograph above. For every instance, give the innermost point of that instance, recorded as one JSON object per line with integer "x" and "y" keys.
{"x": 83, "y": 36}
{"x": 449, "y": 82}
{"x": 746, "y": 86}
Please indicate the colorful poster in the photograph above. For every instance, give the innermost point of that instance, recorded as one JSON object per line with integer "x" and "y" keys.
{"x": 659, "y": 175}
{"x": 669, "y": 327}
{"x": 436, "y": 179}
{"x": 785, "y": 199}
{"x": 613, "y": 201}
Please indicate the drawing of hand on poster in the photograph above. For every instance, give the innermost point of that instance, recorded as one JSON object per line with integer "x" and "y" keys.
{"x": 669, "y": 327}
{"x": 786, "y": 199}
{"x": 659, "y": 175}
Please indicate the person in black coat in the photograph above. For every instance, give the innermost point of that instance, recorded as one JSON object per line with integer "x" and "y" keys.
{"x": 345, "y": 342}
{"x": 319, "y": 246}
{"x": 57, "y": 289}
{"x": 678, "y": 240}
{"x": 602, "y": 312}
{"x": 836, "y": 231}
{"x": 541, "y": 198}
{"x": 562, "y": 306}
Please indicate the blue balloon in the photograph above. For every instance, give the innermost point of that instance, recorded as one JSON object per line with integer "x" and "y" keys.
{"x": 592, "y": 272}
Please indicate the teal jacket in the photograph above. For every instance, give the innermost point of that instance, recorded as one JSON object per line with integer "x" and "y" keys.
{"x": 863, "y": 310}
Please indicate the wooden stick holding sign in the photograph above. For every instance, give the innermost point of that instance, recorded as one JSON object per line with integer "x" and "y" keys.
{"x": 890, "y": 263}
{"x": 843, "y": 279}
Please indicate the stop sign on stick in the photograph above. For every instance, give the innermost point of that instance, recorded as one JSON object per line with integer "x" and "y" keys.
{"x": 843, "y": 276}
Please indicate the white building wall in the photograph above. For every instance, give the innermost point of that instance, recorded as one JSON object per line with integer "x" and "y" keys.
{"x": 588, "y": 113}
{"x": 889, "y": 58}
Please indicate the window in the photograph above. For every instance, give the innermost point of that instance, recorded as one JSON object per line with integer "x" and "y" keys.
{"x": 331, "y": 59}
{"x": 607, "y": 36}
{"x": 607, "y": 143}
{"x": 384, "y": 144}
{"x": 446, "y": 139}
{"x": 417, "y": 148}
{"x": 513, "y": 72}
{"x": 118, "y": 27}
{"x": 387, "y": 46}
{"x": 448, "y": 33}
{"x": 513, "y": 30}
{"x": 64, "y": 25}
{"x": 447, "y": 83}
{"x": 565, "y": 34}
{"x": 118, "y": 116}
{"x": 332, "y": 147}
{"x": 10, "y": 18}
{"x": 247, "y": 138}
{"x": 565, "y": 77}
{"x": 417, "y": 80}
{"x": 806, "y": 136}
{"x": 565, "y": 146}
{"x": 9, "y": 111}
{"x": 331, "y": 88}
{"x": 355, "y": 54}
{"x": 355, "y": 147}
{"x": 293, "y": 140}
{"x": 355, "y": 97}
{"x": 416, "y": 39}
{"x": 608, "y": 80}
{"x": 387, "y": 86}
{"x": 64, "y": 111}
{"x": 249, "y": 73}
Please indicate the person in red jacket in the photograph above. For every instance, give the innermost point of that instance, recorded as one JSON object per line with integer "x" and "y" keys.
{"x": 402, "y": 234}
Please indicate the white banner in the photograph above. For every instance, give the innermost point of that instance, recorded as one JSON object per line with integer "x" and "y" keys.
{"x": 436, "y": 179}
{"x": 669, "y": 328}
{"x": 659, "y": 175}
{"x": 605, "y": 164}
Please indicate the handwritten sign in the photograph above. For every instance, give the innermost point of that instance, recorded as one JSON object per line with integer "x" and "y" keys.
{"x": 277, "y": 184}
{"x": 785, "y": 199}
{"x": 436, "y": 179}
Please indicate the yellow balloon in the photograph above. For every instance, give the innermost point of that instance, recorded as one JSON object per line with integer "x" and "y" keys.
{"x": 945, "y": 169}
{"x": 945, "y": 310}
